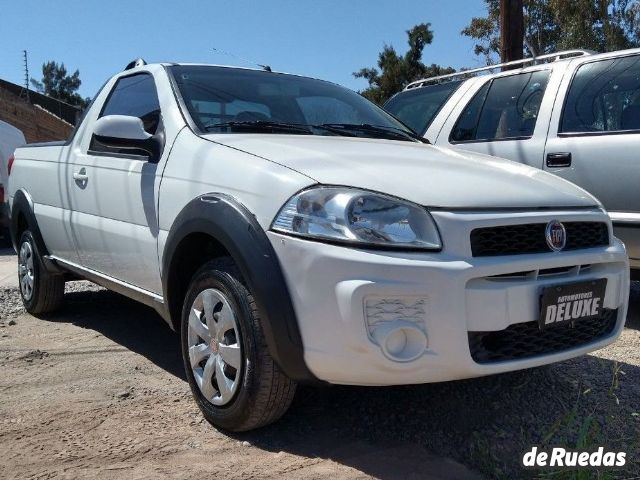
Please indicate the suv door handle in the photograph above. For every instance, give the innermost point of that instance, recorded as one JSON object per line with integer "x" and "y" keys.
{"x": 81, "y": 176}
{"x": 562, "y": 159}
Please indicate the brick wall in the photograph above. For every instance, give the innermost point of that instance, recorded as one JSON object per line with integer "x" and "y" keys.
{"x": 37, "y": 124}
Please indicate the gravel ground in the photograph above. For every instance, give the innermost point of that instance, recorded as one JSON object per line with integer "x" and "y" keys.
{"x": 99, "y": 389}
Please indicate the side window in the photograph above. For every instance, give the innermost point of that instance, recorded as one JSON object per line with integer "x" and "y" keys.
{"x": 135, "y": 96}
{"x": 604, "y": 96}
{"x": 504, "y": 108}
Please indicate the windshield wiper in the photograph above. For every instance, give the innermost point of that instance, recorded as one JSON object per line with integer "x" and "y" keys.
{"x": 333, "y": 129}
{"x": 345, "y": 129}
{"x": 261, "y": 125}
{"x": 387, "y": 130}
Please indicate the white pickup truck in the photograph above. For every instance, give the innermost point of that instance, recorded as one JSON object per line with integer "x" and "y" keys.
{"x": 575, "y": 114}
{"x": 292, "y": 231}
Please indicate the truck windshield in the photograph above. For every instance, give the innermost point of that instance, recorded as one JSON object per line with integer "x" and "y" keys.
{"x": 418, "y": 107}
{"x": 234, "y": 100}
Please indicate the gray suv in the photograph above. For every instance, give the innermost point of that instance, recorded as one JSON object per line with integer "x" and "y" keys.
{"x": 575, "y": 114}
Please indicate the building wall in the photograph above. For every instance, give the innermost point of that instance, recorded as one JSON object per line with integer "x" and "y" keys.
{"x": 37, "y": 124}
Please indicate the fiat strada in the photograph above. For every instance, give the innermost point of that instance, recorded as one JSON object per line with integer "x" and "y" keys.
{"x": 292, "y": 231}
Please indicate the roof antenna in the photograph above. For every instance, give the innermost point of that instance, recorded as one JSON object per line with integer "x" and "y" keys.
{"x": 266, "y": 68}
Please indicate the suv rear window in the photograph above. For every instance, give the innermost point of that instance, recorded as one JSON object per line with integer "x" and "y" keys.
{"x": 604, "y": 97}
{"x": 505, "y": 108}
{"x": 418, "y": 107}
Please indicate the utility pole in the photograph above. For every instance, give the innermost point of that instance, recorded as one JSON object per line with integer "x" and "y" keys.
{"x": 511, "y": 30}
{"x": 26, "y": 75}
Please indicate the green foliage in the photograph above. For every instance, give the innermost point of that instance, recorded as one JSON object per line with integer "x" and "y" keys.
{"x": 56, "y": 83}
{"x": 396, "y": 71}
{"x": 582, "y": 428}
{"x": 554, "y": 25}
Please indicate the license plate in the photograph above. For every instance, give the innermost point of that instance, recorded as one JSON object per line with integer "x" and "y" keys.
{"x": 568, "y": 303}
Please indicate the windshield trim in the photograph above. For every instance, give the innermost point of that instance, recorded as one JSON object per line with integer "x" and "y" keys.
{"x": 182, "y": 106}
{"x": 196, "y": 128}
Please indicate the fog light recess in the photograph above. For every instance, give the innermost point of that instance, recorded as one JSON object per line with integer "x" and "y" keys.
{"x": 397, "y": 326}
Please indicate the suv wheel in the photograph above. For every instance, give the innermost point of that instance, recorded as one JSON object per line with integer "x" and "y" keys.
{"x": 233, "y": 378}
{"x": 41, "y": 292}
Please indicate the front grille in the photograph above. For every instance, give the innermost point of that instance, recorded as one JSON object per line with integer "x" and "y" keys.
{"x": 525, "y": 340}
{"x": 530, "y": 238}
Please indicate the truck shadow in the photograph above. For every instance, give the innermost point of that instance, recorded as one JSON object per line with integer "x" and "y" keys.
{"x": 486, "y": 423}
{"x": 633, "y": 317}
{"x": 126, "y": 322}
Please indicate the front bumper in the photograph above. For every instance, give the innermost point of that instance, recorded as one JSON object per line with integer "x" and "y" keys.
{"x": 338, "y": 293}
{"x": 630, "y": 236}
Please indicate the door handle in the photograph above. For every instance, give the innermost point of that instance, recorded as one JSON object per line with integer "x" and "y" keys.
{"x": 81, "y": 176}
{"x": 561, "y": 159}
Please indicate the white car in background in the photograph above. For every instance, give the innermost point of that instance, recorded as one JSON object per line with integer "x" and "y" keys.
{"x": 575, "y": 114}
{"x": 10, "y": 139}
{"x": 292, "y": 231}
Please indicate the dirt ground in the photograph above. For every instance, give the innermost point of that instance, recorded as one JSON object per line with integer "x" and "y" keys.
{"x": 98, "y": 391}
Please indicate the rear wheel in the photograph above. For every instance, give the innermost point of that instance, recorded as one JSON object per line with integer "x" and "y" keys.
{"x": 234, "y": 380}
{"x": 41, "y": 291}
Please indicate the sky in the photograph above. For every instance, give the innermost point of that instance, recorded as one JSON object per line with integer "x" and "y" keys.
{"x": 328, "y": 39}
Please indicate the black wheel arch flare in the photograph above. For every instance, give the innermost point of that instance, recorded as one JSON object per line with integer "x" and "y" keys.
{"x": 23, "y": 205}
{"x": 232, "y": 225}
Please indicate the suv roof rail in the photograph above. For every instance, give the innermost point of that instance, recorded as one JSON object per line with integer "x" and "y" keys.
{"x": 138, "y": 62}
{"x": 549, "y": 57}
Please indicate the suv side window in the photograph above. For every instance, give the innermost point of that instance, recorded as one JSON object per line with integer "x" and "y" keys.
{"x": 604, "y": 96}
{"x": 419, "y": 106}
{"x": 136, "y": 96}
{"x": 505, "y": 108}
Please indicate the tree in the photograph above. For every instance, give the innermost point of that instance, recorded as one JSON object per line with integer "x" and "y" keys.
{"x": 56, "y": 83}
{"x": 554, "y": 25}
{"x": 396, "y": 71}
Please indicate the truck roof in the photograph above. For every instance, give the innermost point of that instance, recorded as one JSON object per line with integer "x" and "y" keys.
{"x": 264, "y": 68}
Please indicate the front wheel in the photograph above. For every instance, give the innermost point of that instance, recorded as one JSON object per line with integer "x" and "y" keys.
{"x": 41, "y": 291}
{"x": 234, "y": 380}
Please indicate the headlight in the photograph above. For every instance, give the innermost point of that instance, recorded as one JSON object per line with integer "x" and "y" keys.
{"x": 358, "y": 217}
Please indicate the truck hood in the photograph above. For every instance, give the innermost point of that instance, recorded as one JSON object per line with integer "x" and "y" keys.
{"x": 424, "y": 174}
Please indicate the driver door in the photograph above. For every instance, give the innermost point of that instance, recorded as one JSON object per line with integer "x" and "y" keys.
{"x": 113, "y": 193}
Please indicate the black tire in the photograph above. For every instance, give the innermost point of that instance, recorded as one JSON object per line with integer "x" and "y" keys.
{"x": 264, "y": 393}
{"x": 47, "y": 293}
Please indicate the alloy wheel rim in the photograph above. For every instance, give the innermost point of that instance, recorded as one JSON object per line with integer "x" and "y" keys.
{"x": 213, "y": 340}
{"x": 26, "y": 272}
